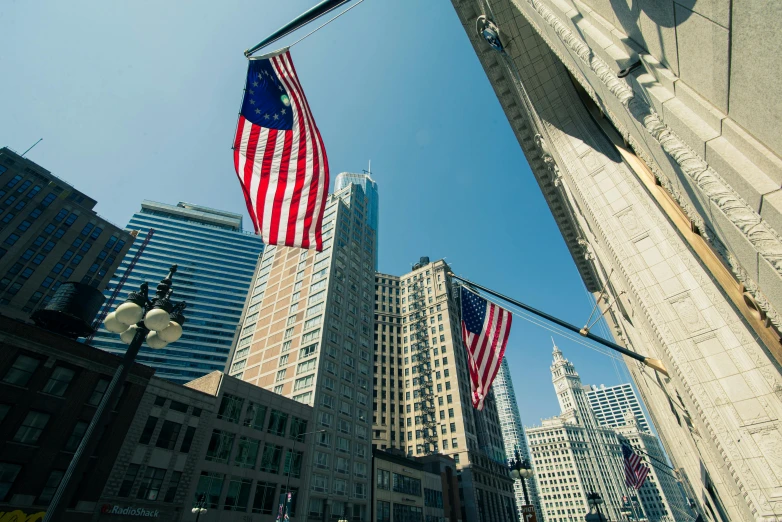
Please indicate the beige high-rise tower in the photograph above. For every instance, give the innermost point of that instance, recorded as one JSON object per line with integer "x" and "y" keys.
{"x": 307, "y": 335}
{"x": 422, "y": 399}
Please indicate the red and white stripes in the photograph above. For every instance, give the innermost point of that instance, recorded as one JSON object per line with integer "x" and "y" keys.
{"x": 486, "y": 350}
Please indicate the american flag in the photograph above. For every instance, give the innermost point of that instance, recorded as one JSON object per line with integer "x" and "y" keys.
{"x": 635, "y": 471}
{"x": 485, "y": 331}
{"x": 279, "y": 155}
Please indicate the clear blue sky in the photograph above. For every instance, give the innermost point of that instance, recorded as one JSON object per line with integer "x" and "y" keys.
{"x": 138, "y": 100}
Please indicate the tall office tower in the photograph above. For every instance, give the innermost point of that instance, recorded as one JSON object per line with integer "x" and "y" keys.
{"x": 369, "y": 186}
{"x": 216, "y": 260}
{"x": 49, "y": 234}
{"x": 422, "y": 400}
{"x": 573, "y": 456}
{"x": 661, "y": 496}
{"x": 611, "y": 403}
{"x": 307, "y": 335}
{"x": 513, "y": 433}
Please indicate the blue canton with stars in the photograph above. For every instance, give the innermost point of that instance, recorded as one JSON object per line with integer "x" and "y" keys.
{"x": 266, "y": 102}
{"x": 473, "y": 311}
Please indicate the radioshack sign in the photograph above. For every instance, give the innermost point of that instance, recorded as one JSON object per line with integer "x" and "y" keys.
{"x": 130, "y": 511}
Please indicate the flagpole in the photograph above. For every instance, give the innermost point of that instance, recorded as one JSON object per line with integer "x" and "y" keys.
{"x": 654, "y": 364}
{"x": 303, "y": 19}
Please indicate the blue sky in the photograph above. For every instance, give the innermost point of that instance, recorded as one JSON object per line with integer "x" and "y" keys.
{"x": 138, "y": 100}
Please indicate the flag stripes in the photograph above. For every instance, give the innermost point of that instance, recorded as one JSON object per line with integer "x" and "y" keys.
{"x": 279, "y": 156}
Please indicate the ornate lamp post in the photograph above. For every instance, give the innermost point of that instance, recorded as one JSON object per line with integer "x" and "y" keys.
{"x": 520, "y": 469}
{"x": 283, "y": 509}
{"x": 139, "y": 318}
{"x": 199, "y": 507}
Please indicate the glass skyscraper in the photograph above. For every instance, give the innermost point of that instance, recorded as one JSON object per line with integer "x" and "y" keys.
{"x": 216, "y": 261}
{"x": 373, "y": 199}
{"x": 610, "y": 404}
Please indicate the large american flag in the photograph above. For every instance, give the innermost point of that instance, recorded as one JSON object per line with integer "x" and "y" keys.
{"x": 279, "y": 155}
{"x": 635, "y": 471}
{"x": 485, "y": 331}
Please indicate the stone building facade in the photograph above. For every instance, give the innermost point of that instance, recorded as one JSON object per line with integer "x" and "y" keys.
{"x": 421, "y": 398}
{"x": 648, "y": 126}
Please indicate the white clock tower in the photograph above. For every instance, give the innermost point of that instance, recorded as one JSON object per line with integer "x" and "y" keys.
{"x": 573, "y": 401}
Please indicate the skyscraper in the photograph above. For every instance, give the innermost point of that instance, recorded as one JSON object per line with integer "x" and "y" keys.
{"x": 513, "y": 432}
{"x": 422, "y": 402}
{"x": 575, "y": 457}
{"x": 611, "y": 403}
{"x": 216, "y": 261}
{"x": 49, "y": 234}
{"x": 307, "y": 335}
{"x": 369, "y": 186}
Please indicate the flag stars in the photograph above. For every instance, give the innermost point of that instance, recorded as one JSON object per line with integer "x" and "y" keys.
{"x": 266, "y": 116}
{"x": 252, "y": 91}
{"x": 252, "y": 102}
{"x": 283, "y": 111}
{"x": 255, "y": 84}
{"x": 257, "y": 111}
{"x": 276, "y": 116}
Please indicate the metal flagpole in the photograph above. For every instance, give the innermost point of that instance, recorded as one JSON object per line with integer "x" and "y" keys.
{"x": 654, "y": 364}
{"x": 303, "y": 19}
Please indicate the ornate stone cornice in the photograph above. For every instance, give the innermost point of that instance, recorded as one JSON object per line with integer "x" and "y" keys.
{"x": 762, "y": 237}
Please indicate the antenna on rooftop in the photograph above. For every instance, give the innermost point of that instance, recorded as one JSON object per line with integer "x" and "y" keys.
{"x": 368, "y": 172}
{"x": 31, "y": 148}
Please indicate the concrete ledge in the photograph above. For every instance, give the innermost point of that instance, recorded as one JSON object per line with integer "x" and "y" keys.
{"x": 688, "y": 126}
{"x": 757, "y": 153}
{"x": 737, "y": 243}
{"x": 697, "y": 104}
{"x": 740, "y": 173}
{"x": 771, "y": 210}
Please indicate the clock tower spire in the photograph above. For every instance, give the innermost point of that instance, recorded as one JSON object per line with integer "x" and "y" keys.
{"x": 570, "y": 392}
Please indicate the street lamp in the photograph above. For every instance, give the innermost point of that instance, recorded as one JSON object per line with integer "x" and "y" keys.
{"x": 199, "y": 507}
{"x": 520, "y": 469}
{"x": 138, "y": 318}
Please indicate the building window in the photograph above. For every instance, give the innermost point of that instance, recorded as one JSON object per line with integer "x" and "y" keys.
{"x": 149, "y": 429}
{"x": 8, "y": 473}
{"x": 383, "y": 479}
{"x": 293, "y": 460}
{"x": 246, "y": 453}
{"x": 55, "y": 477}
{"x": 59, "y": 381}
{"x": 255, "y": 416}
{"x": 298, "y": 428}
{"x": 277, "y": 422}
{"x": 383, "y": 511}
{"x": 173, "y": 485}
{"x": 21, "y": 370}
{"x": 263, "y": 502}
{"x": 270, "y": 460}
{"x": 98, "y": 392}
{"x": 209, "y": 487}
{"x": 169, "y": 434}
{"x": 230, "y": 408}
{"x": 187, "y": 440}
{"x": 220, "y": 445}
{"x": 32, "y": 427}
{"x": 76, "y": 435}
{"x": 151, "y": 483}
{"x": 238, "y": 494}
{"x": 127, "y": 480}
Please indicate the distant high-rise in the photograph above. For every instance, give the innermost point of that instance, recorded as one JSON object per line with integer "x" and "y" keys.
{"x": 369, "y": 186}
{"x": 307, "y": 335}
{"x": 422, "y": 400}
{"x": 216, "y": 261}
{"x": 513, "y": 433}
{"x": 49, "y": 234}
{"x": 611, "y": 403}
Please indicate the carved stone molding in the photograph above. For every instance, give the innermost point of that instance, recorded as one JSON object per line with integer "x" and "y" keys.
{"x": 753, "y": 227}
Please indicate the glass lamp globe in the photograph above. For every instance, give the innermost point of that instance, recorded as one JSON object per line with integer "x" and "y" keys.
{"x": 129, "y": 313}
{"x": 128, "y": 335}
{"x": 156, "y": 319}
{"x": 515, "y": 474}
{"x": 113, "y": 325}
{"x": 154, "y": 341}
{"x": 171, "y": 333}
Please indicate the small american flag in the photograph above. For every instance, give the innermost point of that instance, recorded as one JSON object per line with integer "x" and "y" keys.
{"x": 485, "y": 331}
{"x": 279, "y": 156}
{"x": 635, "y": 471}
